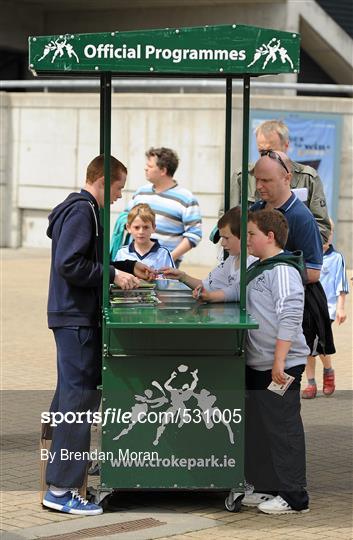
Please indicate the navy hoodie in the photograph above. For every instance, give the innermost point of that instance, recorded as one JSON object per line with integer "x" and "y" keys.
{"x": 76, "y": 272}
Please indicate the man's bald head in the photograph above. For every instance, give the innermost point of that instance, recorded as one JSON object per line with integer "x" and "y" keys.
{"x": 273, "y": 178}
{"x": 280, "y": 158}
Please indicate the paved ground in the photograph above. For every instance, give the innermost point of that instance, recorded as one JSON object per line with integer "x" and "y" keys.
{"x": 28, "y": 377}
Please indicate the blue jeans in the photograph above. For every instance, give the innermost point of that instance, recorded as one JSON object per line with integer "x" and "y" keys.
{"x": 79, "y": 360}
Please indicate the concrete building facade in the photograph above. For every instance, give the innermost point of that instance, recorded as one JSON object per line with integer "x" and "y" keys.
{"x": 48, "y": 140}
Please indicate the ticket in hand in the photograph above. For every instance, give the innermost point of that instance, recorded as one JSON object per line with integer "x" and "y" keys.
{"x": 281, "y": 389}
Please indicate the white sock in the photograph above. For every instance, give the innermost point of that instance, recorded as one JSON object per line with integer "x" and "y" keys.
{"x": 58, "y": 491}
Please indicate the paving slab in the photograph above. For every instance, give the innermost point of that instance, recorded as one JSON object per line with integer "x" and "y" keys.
{"x": 29, "y": 376}
{"x": 168, "y": 523}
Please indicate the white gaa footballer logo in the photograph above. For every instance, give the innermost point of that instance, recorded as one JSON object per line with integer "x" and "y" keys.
{"x": 169, "y": 405}
{"x": 270, "y": 52}
{"x": 59, "y": 47}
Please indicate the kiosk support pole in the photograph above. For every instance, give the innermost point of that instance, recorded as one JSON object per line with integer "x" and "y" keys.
{"x": 228, "y": 142}
{"x": 101, "y": 113}
{"x": 101, "y": 130}
{"x": 107, "y": 87}
{"x": 244, "y": 191}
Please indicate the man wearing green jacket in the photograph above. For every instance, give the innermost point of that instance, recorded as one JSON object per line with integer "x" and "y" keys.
{"x": 274, "y": 135}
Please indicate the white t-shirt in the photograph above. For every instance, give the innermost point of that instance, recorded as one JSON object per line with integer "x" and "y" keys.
{"x": 226, "y": 274}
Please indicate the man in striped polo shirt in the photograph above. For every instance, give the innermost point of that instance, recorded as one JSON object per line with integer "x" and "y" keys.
{"x": 178, "y": 218}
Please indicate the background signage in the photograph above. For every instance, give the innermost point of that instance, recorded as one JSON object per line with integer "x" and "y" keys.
{"x": 315, "y": 140}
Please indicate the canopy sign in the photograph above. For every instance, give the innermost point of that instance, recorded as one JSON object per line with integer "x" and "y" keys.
{"x": 208, "y": 50}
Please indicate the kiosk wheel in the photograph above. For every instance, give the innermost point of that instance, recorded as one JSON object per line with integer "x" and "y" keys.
{"x": 233, "y": 501}
{"x": 104, "y": 503}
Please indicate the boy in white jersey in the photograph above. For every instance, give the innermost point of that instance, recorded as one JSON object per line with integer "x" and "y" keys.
{"x": 219, "y": 284}
{"x": 141, "y": 223}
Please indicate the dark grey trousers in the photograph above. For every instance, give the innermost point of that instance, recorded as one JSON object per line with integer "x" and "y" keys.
{"x": 274, "y": 438}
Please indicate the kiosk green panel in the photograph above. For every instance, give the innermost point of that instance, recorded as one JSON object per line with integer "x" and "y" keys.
{"x": 173, "y": 396}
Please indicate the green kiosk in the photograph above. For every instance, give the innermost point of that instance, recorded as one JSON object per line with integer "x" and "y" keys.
{"x": 173, "y": 371}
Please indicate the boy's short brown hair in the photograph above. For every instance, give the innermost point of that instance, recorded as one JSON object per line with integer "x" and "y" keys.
{"x": 95, "y": 169}
{"x": 143, "y": 211}
{"x": 271, "y": 220}
{"x": 231, "y": 218}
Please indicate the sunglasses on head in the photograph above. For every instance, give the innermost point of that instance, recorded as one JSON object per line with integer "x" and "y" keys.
{"x": 273, "y": 155}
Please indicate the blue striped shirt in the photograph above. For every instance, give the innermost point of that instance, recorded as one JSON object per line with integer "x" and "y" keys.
{"x": 177, "y": 214}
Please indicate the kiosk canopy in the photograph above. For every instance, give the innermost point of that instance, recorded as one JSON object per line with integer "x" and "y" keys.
{"x": 205, "y": 50}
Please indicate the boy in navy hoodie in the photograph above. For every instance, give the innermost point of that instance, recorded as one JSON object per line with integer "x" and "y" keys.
{"x": 74, "y": 308}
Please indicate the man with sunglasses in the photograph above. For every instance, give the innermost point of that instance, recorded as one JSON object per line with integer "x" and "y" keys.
{"x": 273, "y": 181}
{"x": 272, "y": 173}
{"x": 274, "y": 135}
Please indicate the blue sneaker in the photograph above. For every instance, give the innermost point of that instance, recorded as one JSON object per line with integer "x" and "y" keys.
{"x": 71, "y": 503}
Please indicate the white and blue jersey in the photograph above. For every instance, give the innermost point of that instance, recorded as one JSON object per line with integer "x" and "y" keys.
{"x": 177, "y": 214}
{"x": 157, "y": 257}
{"x": 333, "y": 278}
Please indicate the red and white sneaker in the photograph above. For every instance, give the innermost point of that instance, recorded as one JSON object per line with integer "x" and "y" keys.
{"x": 309, "y": 392}
{"x": 329, "y": 383}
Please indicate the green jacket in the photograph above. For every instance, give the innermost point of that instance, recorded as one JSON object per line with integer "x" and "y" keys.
{"x": 294, "y": 259}
{"x": 303, "y": 176}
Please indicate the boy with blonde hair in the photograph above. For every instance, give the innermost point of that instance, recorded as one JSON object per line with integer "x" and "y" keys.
{"x": 141, "y": 224}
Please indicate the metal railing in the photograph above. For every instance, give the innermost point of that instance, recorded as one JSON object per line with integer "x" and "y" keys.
{"x": 179, "y": 85}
